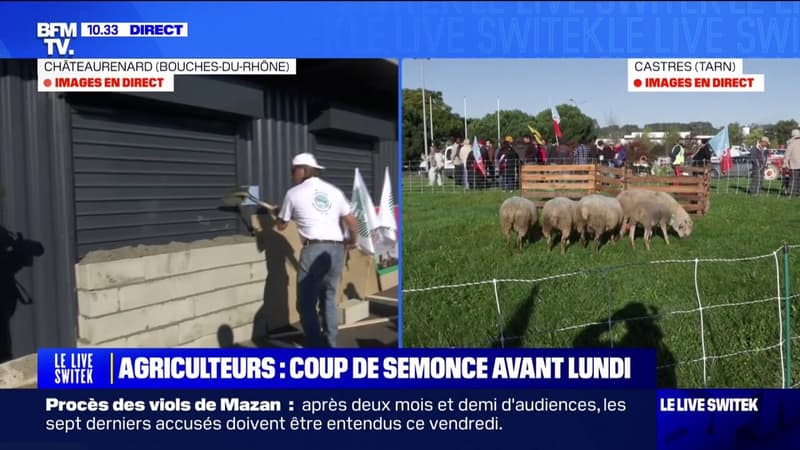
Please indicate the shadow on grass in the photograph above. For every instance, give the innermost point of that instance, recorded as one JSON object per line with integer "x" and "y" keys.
{"x": 516, "y": 325}
{"x": 641, "y": 331}
{"x": 533, "y": 236}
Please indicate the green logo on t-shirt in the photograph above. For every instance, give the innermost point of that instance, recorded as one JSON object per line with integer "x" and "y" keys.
{"x": 321, "y": 202}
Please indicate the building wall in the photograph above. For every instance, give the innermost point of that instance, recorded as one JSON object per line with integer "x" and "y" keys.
{"x": 171, "y": 299}
{"x": 225, "y": 292}
{"x": 37, "y": 174}
{"x": 35, "y": 168}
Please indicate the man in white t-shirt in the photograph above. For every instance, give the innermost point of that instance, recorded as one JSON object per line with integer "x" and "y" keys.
{"x": 319, "y": 209}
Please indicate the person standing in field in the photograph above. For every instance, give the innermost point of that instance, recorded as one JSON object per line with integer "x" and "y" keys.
{"x": 435, "y": 166}
{"x": 581, "y": 155}
{"x": 703, "y": 156}
{"x": 792, "y": 162}
{"x": 678, "y": 155}
{"x": 758, "y": 159}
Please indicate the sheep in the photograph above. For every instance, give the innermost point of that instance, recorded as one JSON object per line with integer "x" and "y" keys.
{"x": 560, "y": 214}
{"x": 679, "y": 219}
{"x": 520, "y": 215}
{"x": 649, "y": 213}
{"x": 598, "y": 214}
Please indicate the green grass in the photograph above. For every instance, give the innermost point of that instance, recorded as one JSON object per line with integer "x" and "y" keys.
{"x": 452, "y": 238}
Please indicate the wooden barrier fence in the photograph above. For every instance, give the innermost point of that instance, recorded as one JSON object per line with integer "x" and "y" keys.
{"x": 541, "y": 183}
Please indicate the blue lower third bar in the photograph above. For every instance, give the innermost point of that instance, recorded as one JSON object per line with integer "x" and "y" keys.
{"x": 728, "y": 418}
{"x": 366, "y": 368}
{"x": 725, "y": 404}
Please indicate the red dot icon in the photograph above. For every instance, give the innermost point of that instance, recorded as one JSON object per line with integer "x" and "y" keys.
{"x": 637, "y": 82}
{"x": 47, "y": 82}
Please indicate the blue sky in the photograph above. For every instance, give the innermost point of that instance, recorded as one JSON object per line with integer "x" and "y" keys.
{"x": 599, "y": 88}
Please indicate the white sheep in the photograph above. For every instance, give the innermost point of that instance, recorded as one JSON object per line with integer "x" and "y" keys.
{"x": 679, "y": 219}
{"x": 520, "y": 215}
{"x": 559, "y": 214}
{"x": 598, "y": 214}
{"x": 649, "y": 214}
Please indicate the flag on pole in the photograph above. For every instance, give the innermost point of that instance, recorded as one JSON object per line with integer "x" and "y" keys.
{"x": 386, "y": 218}
{"x": 536, "y": 135}
{"x": 556, "y": 121}
{"x": 476, "y": 153}
{"x": 364, "y": 211}
{"x": 385, "y": 235}
{"x": 721, "y": 145}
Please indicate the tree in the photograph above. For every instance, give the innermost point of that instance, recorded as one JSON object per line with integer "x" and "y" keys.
{"x": 753, "y": 137}
{"x": 644, "y": 142}
{"x": 576, "y": 127}
{"x": 672, "y": 137}
{"x": 512, "y": 123}
{"x": 446, "y": 124}
{"x": 735, "y": 135}
{"x": 628, "y": 129}
{"x": 781, "y": 132}
{"x": 612, "y": 129}
{"x": 700, "y": 128}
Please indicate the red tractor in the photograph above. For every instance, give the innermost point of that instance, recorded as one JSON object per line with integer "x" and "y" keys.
{"x": 774, "y": 167}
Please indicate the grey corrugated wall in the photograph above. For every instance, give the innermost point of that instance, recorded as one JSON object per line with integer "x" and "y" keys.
{"x": 37, "y": 175}
{"x": 35, "y": 168}
{"x": 271, "y": 142}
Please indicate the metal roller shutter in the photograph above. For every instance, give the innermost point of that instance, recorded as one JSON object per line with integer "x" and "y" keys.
{"x": 142, "y": 178}
{"x": 341, "y": 157}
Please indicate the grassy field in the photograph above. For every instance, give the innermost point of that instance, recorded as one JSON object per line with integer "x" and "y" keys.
{"x": 453, "y": 238}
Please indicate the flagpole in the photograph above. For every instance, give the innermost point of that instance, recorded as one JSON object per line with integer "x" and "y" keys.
{"x": 498, "y": 120}
{"x": 465, "y": 119}
{"x": 424, "y": 125}
{"x": 430, "y": 115}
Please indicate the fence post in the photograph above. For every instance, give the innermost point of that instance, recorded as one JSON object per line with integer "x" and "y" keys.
{"x": 788, "y": 302}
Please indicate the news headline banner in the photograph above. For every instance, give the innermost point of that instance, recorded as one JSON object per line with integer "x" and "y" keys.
{"x": 567, "y": 29}
{"x": 691, "y": 75}
{"x": 485, "y": 418}
{"x": 366, "y": 368}
{"x": 729, "y": 418}
{"x": 57, "y": 36}
{"x": 145, "y": 75}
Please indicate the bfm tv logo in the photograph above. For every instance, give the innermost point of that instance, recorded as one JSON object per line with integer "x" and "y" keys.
{"x": 57, "y": 36}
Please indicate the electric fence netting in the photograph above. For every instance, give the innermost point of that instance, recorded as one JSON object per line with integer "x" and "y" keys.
{"x": 733, "y": 327}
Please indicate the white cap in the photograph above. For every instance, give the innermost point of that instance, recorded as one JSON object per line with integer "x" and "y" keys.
{"x": 796, "y": 133}
{"x": 306, "y": 159}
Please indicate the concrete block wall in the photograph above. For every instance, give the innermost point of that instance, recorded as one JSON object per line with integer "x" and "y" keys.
{"x": 171, "y": 299}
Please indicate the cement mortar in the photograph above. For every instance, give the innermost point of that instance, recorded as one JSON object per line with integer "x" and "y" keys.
{"x": 130, "y": 252}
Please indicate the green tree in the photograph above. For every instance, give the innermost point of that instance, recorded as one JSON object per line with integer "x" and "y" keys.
{"x": 513, "y": 123}
{"x": 670, "y": 139}
{"x": 575, "y": 126}
{"x": 446, "y": 124}
{"x": 735, "y": 135}
{"x": 781, "y": 132}
{"x": 628, "y": 129}
{"x": 645, "y": 144}
{"x": 753, "y": 137}
{"x": 700, "y": 128}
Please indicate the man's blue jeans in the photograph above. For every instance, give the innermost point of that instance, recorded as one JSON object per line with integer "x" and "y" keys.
{"x": 317, "y": 282}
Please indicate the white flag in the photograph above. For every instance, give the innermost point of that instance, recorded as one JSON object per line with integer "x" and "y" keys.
{"x": 364, "y": 211}
{"x": 385, "y": 235}
{"x": 386, "y": 217}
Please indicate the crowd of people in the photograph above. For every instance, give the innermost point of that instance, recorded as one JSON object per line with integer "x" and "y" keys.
{"x": 500, "y": 164}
